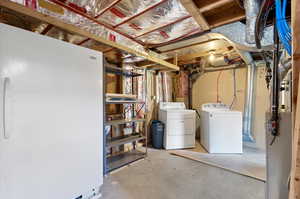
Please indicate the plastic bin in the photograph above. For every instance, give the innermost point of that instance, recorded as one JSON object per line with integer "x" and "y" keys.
{"x": 157, "y": 132}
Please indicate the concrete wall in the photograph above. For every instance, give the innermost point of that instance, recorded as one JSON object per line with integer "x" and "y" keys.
{"x": 205, "y": 91}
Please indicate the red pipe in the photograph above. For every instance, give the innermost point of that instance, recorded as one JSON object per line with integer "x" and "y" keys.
{"x": 107, "y": 8}
{"x": 94, "y": 20}
{"x": 168, "y": 24}
{"x": 140, "y": 13}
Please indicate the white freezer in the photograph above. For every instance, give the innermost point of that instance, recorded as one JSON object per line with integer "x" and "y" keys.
{"x": 51, "y": 128}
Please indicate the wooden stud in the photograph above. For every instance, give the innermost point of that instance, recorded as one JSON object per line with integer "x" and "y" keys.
{"x": 295, "y": 171}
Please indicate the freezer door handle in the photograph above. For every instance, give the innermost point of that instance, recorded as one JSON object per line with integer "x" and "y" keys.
{"x": 5, "y": 132}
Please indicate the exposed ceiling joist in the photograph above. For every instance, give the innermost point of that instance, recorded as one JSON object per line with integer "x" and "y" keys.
{"x": 94, "y": 19}
{"x": 195, "y": 12}
{"x": 158, "y": 27}
{"x": 77, "y": 31}
{"x": 140, "y": 13}
{"x": 107, "y": 8}
{"x": 228, "y": 21}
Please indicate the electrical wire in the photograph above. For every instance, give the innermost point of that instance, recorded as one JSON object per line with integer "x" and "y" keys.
{"x": 261, "y": 20}
{"x": 137, "y": 112}
{"x": 234, "y": 89}
{"x": 219, "y": 75}
{"x": 283, "y": 28}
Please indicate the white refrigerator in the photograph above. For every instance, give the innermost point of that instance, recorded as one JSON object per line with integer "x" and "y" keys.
{"x": 51, "y": 118}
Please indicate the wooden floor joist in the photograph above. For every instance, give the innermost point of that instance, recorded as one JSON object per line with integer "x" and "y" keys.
{"x": 73, "y": 29}
{"x": 295, "y": 174}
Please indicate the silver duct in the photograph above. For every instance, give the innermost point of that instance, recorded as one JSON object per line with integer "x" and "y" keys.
{"x": 249, "y": 103}
{"x": 252, "y": 9}
{"x": 284, "y": 66}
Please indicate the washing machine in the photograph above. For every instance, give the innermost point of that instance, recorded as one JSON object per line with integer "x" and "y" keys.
{"x": 180, "y": 125}
{"x": 221, "y": 129}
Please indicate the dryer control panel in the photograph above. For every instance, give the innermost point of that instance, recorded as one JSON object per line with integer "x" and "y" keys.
{"x": 171, "y": 105}
{"x": 214, "y": 106}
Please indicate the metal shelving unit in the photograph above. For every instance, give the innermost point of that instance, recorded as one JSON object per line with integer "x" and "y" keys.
{"x": 124, "y": 156}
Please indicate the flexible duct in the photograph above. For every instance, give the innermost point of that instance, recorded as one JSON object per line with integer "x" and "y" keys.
{"x": 284, "y": 66}
{"x": 252, "y": 9}
{"x": 249, "y": 103}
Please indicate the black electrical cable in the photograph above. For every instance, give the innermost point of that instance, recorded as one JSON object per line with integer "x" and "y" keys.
{"x": 257, "y": 33}
{"x": 266, "y": 7}
{"x": 261, "y": 20}
{"x": 275, "y": 86}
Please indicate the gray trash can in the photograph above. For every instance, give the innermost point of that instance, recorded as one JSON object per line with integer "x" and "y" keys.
{"x": 157, "y": 132}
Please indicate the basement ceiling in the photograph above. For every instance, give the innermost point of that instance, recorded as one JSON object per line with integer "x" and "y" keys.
{"x": 145, "y": 22}
{"x": 138, "y": 24}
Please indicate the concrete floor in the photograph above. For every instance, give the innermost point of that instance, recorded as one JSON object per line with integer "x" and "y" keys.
{"x": 164, "y": 176}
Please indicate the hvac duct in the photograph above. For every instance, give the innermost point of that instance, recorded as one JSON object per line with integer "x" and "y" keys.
{"x": 252, "y": 9}
{"x": 284, "y": 66}
{"x": 249, "y": 103}
{"x": 223, "y": 60}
